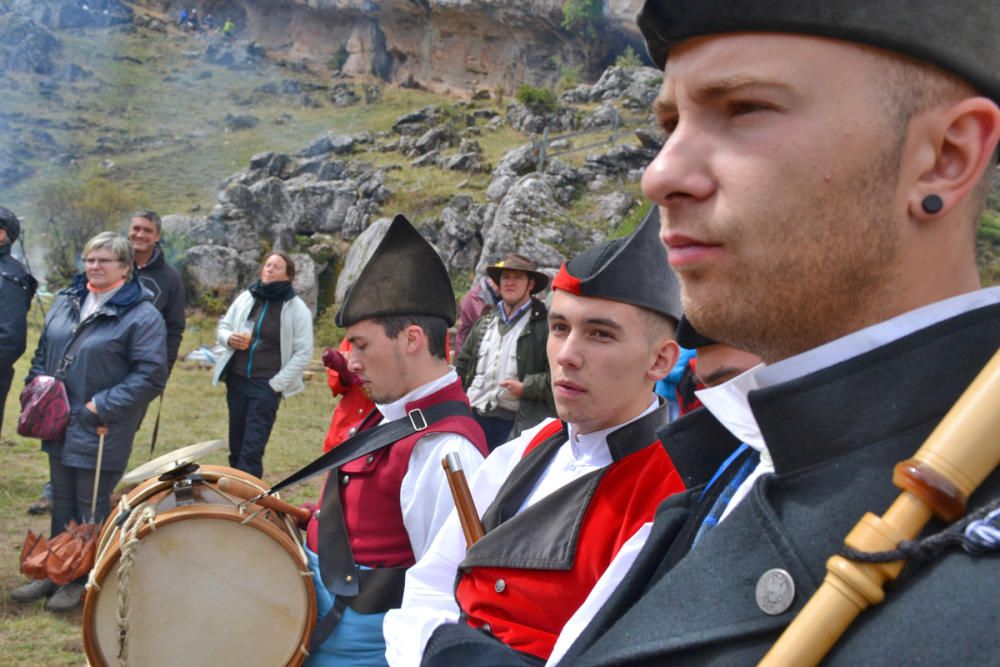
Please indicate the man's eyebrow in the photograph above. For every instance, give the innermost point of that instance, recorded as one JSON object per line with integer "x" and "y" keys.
{"x": 592, "y": 321}
{"x": 713, "y": 88}
{"x": 725, "y": 85}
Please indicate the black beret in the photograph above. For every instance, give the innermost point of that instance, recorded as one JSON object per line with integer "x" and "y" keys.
{"x": 10, "y": 222}
{"x": 633, "y": 270}
{"x": 958, "y": 36}
{"x": 405, "y": 276}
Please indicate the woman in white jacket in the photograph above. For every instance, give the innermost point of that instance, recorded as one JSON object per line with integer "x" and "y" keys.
{"x": 268, "y": 336}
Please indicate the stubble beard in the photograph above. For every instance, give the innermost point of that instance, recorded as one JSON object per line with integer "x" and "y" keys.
{"x": 394, "y": 392}
{"x": 830, "y": 274}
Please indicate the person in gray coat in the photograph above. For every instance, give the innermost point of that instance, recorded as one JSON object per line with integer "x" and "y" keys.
{"x": 116, "y": 363}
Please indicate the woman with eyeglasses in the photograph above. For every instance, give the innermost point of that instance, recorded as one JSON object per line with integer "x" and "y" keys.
{"x": 107, "y": 341}
{"x": 268, "y": 336}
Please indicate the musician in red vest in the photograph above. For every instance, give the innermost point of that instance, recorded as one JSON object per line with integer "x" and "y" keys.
{"x": 380, "y": 512}
{"x": 559, "y": 501}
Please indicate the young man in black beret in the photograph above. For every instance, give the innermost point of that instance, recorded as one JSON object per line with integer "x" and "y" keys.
{"x": 824, "y": 169}
{"x": 823, "y": 174}
{"x": 559, "y": 501}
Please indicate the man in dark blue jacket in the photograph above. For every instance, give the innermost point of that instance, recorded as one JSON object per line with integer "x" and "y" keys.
{"x": 17, "y": 287}
{"x": 158, "y": 277}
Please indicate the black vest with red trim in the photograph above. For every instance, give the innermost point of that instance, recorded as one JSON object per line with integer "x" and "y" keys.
{"x": 534, "y": 568}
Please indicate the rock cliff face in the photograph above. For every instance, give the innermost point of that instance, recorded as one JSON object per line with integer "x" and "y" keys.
{"x": 456, "y": 46}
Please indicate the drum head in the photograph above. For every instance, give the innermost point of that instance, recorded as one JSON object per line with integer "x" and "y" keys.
{"x": 171, "y": 460}
{"x": 207, "y": 590}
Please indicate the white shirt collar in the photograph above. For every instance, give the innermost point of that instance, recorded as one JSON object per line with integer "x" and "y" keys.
{"x": 593, "y": 447}
{"x": 729, "y": 402}
{"x": 397, "y": 409}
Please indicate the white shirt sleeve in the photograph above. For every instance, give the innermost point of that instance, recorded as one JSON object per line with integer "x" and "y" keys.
{"x": 428, "y": 598}
{"x": 600, "y": 593}
{"x": 424, "y": 495}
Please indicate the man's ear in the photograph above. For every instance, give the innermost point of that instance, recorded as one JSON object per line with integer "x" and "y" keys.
{"x": 956, "y": 145}
{"x": 413, "y": 339}
{"x": 667, "y": 352}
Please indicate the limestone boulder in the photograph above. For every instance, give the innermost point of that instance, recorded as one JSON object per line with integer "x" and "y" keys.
{"x": 215, "y": 271}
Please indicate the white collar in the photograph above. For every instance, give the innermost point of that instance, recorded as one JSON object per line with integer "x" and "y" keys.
{"x": 729, "y": 402}
{"x": 397, "y": 409}
{"x": 593, "y": 447}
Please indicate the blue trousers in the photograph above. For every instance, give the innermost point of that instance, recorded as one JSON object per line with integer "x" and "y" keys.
{"x": 253, "y": 407}
{"x": 357, "y": 641}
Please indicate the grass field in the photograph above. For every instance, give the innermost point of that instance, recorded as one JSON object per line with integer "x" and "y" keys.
{"x": 193, "y": 411}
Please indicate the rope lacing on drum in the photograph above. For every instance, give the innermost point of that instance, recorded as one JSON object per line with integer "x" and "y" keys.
{"x": 978, "y": 533}
{"x": 128, "y": 542}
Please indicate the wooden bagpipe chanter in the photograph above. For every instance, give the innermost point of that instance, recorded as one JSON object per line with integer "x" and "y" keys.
{"x": 960, "y": 453}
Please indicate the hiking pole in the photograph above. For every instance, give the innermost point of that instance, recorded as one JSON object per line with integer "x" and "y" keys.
{"x": 156, "y": 427}
{"x": 102, "y": 431}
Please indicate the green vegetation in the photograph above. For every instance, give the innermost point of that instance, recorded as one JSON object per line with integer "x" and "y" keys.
{"x": 338, "y": 59}
{"x": 75, "y": 211}
{"x": 583, "y": 17}
{"x": 539, "y": 100}
{"x": 628, "y": 58}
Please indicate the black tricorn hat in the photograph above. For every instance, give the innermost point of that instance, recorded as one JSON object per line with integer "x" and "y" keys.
{"x": 514, "y": 262}
{"x": 404, "y": 276}
{"x": 690, "y": 338}
{"x": 10, "y": 222}
{"x": 631, "y": 270}
{"x": 960, "y": 37}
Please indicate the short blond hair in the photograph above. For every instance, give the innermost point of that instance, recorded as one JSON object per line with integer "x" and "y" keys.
{"x": 117, "y": 244}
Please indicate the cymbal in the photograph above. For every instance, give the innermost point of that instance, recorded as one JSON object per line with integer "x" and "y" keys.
{"x": 170, "y": 460}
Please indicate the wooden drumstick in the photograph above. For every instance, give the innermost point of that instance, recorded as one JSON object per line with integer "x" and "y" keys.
{"x": 246, "y": 491}
{"x": 961, "y": 452}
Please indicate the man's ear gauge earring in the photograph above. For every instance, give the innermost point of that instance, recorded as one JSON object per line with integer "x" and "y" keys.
{"x": 932, "y": 204}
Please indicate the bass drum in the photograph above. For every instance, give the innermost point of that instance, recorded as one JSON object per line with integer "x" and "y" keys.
{"x": 208, "y": 583}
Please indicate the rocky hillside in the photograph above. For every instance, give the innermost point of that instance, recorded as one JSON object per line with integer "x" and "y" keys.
{"x": 450, "y": 46}
{"x": 330, "y": 201}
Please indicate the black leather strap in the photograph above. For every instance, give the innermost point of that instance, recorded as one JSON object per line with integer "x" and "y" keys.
{"x": 373, "y": 439}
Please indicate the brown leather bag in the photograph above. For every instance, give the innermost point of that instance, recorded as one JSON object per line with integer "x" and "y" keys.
{"x": 65, "y": 558}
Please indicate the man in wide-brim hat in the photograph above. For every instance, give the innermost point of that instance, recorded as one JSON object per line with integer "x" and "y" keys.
{"x": 824, "y": 168}
{"x": 502, "y": 362}
{"x": 380, "y": 512}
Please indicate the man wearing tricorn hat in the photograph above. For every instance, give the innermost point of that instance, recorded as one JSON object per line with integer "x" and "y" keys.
{"x": 558, "y": 502}
{"x": 380, "y": 512}
{"x": 502, "y": 363}
{"x": 823, "y": 173}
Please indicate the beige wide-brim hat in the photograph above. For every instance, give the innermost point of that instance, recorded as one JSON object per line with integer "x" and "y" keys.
{"x": 515, "y": 262}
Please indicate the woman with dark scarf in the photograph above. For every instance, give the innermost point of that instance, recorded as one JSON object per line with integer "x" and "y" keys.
{"x": 268, "y": 336}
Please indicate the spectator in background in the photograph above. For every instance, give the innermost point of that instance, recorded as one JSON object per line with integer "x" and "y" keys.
{"x": 17, "y": 287}
{"x": 161, "y": 279}
{"x": 502, "y": 363}
{"x": 117, "y": 364}
{"x": 268, "y": 336}
{"x": 481, "y": 297}
{"x": 354, "y": 403}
